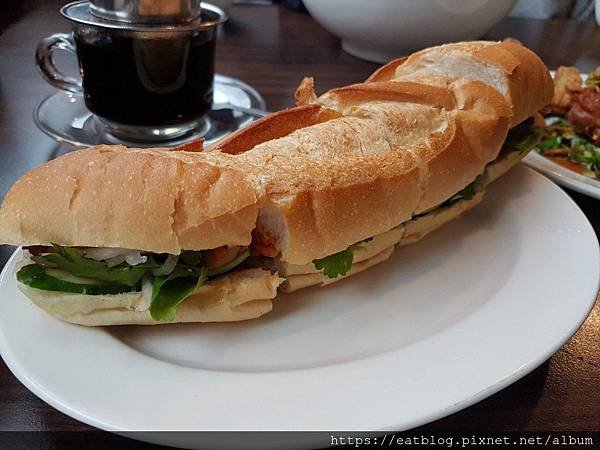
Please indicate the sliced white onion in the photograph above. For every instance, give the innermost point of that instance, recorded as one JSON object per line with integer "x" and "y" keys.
{"x": 167, "y": 267}
{"x": 132, "y": 257}
{"x": 135, "y": 258}
{"x": 146, "y": 300}
{"x": 112, "y": 262}
{"x": 102, "y": 253}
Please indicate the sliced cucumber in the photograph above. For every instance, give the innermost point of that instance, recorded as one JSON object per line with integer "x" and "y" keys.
{"x": 50, "y": 279}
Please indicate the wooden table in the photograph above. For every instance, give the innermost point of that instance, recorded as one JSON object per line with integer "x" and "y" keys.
{"x": 272, "y": 49}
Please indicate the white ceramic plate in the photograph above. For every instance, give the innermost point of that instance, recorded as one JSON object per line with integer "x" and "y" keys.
{"x": 443, "y": 324}
{"x": 562, "y": 175}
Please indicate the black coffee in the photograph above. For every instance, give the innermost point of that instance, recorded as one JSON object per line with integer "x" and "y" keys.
{"x": 150, "y": 82}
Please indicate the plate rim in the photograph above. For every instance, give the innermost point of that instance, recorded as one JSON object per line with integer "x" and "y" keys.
{"x": 21, "y": 374}
{"x": 563, "y": 176}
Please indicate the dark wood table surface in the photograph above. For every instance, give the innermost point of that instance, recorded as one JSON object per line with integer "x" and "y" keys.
{"x": 272, "y": 49}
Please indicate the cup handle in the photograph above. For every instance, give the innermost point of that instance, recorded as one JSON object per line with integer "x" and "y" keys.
{"x": 44, "y": 60}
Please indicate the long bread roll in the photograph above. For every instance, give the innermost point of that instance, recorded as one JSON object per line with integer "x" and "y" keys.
{"x": 348, "y": 175}
{"x": 368, "y": 157}
{"x": 157, "y": 201}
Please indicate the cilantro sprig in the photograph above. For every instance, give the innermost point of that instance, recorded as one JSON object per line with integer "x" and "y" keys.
{"x": 340, "y": 263}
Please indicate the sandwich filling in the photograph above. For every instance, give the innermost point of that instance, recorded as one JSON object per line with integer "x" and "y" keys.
{"x": 165, "y": 280}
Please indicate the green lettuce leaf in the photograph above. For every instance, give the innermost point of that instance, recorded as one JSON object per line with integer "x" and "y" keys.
{"x": 192, "y": 258}
{"x": 468, "y": 192}
{"x": 170, "y": 290}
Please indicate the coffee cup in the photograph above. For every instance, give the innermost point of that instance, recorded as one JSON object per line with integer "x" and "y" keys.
{"x": 145, "y": 80}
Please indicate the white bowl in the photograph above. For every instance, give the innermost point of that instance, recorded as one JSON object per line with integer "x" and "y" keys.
{"x": 381, "y": 30}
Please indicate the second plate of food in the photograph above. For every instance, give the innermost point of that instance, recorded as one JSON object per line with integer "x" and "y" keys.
{"x": 441, "y": 325}
{"x": 569, "y": 157}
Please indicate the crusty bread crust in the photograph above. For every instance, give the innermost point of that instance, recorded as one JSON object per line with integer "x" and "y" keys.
{"x": 274, "y": 126}
{"x": 387, "y": 71}
{"x": 237, "y": 296}
{"x": 305, "y": 93}
{"x": 154, "y": 200}
{"x": 514, "y": 70}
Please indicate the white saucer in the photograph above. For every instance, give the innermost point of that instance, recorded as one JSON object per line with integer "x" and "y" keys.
{"x": 443, "y": 324}
{"x": 64, "y": 117}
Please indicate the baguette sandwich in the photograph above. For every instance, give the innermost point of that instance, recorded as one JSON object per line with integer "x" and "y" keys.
{"x": 303, "y": 197}
{"x": 361, "y": 169}
{"x": 123, "y": 236}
